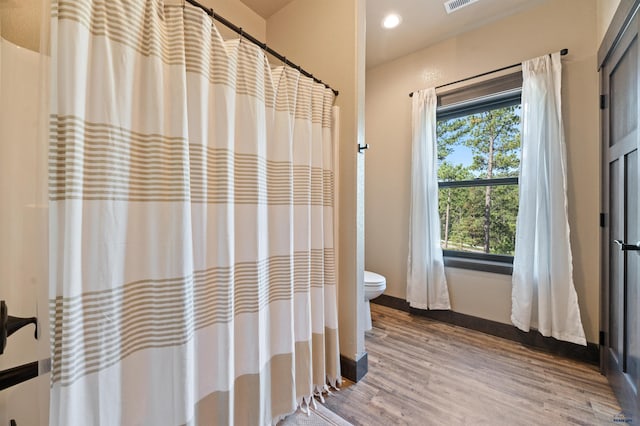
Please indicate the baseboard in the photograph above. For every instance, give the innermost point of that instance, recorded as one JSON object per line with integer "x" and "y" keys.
{"x": 354, "y": 370}
{"x": 589, "y": 354}
{"x": 392, "y": 302}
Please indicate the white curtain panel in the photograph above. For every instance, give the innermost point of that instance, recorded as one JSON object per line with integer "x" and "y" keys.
{"x": 543, "y": 294}
{"x": 191, "y": 217}
{"x": 426, "y": 281}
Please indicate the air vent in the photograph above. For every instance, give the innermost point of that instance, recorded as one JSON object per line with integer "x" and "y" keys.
{"x": 454, "y": 5}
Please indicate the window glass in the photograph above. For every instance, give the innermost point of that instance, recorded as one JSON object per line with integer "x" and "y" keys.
{"x": 478, "y": 163}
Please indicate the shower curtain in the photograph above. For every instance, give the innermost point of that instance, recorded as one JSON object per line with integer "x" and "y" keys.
{"x": 191, "y": 215}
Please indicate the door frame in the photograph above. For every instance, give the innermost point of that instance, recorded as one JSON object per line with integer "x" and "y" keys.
{"x": 616, "y": 36}
{"x": 612, "y": 38}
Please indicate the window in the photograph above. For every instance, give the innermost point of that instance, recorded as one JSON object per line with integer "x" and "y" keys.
{"x": 478, "y": 164}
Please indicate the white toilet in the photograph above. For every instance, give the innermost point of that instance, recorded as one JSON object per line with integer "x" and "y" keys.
{"x": 374, "y": 286}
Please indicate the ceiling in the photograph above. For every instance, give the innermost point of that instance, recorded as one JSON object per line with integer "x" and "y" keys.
{"x": 424, "y": 22}
{"x": 266, "y": 8}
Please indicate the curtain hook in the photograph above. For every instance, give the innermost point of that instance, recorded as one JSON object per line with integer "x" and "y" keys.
{"x": 241, "y": 34}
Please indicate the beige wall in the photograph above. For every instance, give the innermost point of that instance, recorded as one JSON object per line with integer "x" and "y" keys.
{"x": 605, "y": 9}
{"x": 549, "y": 27}
{"x": 20, "y": 22}
{"x": 327, "y": 38}
{"x": 240, "y": 14}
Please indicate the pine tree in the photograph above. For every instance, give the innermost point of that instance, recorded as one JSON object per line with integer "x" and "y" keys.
{"x": 449, "y": 173}
{"x": 494, "y": 139}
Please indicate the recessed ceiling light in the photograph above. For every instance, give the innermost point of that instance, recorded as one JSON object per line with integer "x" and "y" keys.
{"x": 391, "y": 21}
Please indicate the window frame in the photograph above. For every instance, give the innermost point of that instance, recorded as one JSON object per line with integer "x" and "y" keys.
{"x": 491, "y": 94}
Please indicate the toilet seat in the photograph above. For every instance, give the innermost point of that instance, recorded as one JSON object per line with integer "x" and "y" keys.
{"x": 374, "y": 280}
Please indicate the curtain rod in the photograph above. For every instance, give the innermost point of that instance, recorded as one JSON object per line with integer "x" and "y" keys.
{"x": 563, "y": 52}
{"x": 257, "y": 42}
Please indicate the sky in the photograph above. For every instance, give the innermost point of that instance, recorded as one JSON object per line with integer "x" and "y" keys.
{"x": 460, "y": 155}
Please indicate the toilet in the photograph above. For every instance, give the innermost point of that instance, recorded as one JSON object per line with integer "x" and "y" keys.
{"x": 374, "y": 286}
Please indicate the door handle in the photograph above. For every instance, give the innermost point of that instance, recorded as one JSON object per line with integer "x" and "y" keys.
{"x": 627, "y": 247}
{"x": 9, "y": 325}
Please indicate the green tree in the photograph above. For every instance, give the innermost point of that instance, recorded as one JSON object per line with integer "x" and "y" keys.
{"x": 448, "y": 173}
{"x": 494, "y": 139}
{"x": 503, "y": 218}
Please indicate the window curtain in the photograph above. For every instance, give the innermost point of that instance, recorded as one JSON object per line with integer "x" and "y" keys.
{"x": 543, "y": 293}
{"x": 191, "y": 215}
{"x": 426, "y": 281}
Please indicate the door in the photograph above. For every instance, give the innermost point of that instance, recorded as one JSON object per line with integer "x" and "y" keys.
{"x": 23, "y": 222}
{"x": 621, "y": 269}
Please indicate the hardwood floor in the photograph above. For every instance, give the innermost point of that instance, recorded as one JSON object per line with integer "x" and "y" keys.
{"x": 423, "y": 372}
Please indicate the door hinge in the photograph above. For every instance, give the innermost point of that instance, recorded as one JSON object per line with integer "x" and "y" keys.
{"x": 602, "y": 220}
{"x": 601, "y": 339}
{"x": 603, "y": 101}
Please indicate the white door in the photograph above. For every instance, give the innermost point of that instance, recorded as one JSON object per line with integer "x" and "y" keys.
{"x": 23, "y": 230}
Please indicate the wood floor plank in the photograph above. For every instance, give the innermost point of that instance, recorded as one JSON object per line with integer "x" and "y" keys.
{"x": 424, "y": 372}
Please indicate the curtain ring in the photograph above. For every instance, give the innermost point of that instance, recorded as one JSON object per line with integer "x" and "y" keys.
{"x": 241, "y": 34}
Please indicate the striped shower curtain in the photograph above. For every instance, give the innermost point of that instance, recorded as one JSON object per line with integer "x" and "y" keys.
{"x": 191, "y": 220}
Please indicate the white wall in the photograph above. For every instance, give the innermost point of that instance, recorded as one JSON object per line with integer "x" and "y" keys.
{"x": 546, "y": 28}
{"x": 23, "y": 213}
{"x": 23, "y": 225}
{"x": 327, "y": 38}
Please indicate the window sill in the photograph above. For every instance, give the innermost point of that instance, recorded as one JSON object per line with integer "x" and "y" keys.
{"x": 503, "y": 268}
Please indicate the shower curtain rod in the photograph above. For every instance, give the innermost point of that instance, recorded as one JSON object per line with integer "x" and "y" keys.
{"x": 257, "y": 42}
{"x": 562, "y": 52}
